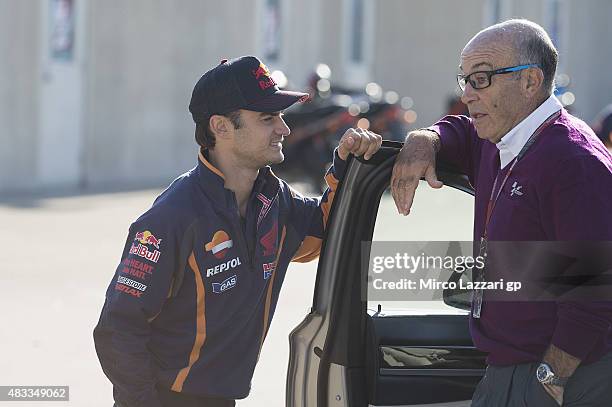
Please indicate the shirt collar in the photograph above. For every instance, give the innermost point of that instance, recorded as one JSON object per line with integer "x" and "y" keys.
{"x": 213, "y": 180}
{"x": 511, "y": 144}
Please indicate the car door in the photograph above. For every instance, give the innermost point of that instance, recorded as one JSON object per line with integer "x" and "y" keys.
{"x": 355, "y": 349}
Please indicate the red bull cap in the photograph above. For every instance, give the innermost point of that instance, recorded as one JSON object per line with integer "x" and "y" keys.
{"x": 242, "y": 83}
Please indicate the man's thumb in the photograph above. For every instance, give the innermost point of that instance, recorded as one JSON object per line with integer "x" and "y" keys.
{"x": 345, "y": 147}
{"x": 432, "y": 178}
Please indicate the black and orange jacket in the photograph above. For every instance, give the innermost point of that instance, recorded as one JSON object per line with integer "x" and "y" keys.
{"x": 190, "y": 303}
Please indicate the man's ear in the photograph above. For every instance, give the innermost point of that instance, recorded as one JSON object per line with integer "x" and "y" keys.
{"x": 533, "y": 79}
{"x": 220, "y": 126}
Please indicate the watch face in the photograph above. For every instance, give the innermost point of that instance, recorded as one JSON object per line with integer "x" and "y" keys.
{"x": 542, "y": 373}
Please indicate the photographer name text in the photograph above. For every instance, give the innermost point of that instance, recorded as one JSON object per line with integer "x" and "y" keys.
{"x": 435, "y": 284}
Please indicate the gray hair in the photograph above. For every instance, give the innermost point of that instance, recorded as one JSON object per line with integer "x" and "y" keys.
{"x": 533, "y": 46}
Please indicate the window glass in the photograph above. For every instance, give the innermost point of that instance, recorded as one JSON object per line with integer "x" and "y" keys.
{"x": 437, "y": 217}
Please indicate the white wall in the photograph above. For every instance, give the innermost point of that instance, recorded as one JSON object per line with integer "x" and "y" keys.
{"x": 144, "y": 57}
{"x": 60, "y": 95}
{"x": 19, "y": 42}
{"x": 417, "y": 50}
{"x": 588, "y": 59}
{"x": 117, "y": 113}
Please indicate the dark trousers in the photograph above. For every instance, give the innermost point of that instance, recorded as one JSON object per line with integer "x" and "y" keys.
{"x": 514, "y": 386}
{"x": 169, "y": 398}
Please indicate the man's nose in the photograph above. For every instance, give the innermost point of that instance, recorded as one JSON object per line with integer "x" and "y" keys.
{"x": 282, "y": 127}
{"x": 469, "y": 94}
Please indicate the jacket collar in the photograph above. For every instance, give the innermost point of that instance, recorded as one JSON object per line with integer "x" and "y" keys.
{"x": 209, "y": 174}
{"x": 212, "y": 181}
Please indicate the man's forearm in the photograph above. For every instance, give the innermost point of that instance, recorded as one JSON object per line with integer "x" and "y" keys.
{"x": 425, "y": 134}
{"x": 562, "y": 363}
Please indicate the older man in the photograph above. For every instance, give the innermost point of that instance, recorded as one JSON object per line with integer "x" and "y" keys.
{"x": 540, "y": 174}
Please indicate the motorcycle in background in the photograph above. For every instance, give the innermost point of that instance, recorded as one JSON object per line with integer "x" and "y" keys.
{"x": 318, "y": 125}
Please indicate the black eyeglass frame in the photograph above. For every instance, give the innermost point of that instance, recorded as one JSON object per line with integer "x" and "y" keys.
{"x": 463, "y": 80}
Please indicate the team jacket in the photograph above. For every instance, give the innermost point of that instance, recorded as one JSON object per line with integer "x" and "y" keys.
{"x": 190, "y": 303}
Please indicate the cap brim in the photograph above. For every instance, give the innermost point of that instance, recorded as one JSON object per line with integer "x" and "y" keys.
{"x": 279, "y": 100}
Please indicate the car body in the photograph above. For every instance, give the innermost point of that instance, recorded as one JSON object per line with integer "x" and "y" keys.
{"x": 344, "y": 353}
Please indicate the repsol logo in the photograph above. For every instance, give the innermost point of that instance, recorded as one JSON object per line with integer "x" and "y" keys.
{"x": 220, "y": 268}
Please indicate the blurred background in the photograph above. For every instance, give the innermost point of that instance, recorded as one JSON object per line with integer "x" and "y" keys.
{"x": 94, "y": 92}
{"x": 94, "y": 123}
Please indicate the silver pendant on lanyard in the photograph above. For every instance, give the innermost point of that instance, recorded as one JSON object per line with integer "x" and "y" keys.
{"x": 478, "y": 277}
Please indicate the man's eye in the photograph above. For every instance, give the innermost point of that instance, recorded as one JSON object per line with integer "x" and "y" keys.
{"x": 480, "y": 79}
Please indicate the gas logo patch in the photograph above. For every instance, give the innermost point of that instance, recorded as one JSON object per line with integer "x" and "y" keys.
{"x": 225, "y": 285}
{"x": 220, "y": 244}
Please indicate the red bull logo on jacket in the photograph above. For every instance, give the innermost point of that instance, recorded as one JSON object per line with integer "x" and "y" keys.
{"x": 148, "y": 238}
{"x": 140, "y": 246}
{"x": 220, "y": 244}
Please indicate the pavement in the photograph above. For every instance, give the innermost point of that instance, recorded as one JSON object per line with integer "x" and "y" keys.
{"x": 57, "y": 257}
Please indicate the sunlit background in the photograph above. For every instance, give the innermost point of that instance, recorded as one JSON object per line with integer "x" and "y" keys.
{"x": 93, "y": 111}
{"x": 95, "y": 92}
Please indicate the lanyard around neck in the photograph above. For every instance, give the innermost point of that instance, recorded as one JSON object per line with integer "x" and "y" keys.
{"x": 493, "y": 199}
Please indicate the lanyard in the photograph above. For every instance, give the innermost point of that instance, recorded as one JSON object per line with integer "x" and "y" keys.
{"x": 478, "y": 294}
{"x": 529, "y": 143}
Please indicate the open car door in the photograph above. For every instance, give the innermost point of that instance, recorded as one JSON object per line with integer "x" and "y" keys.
{"x": 351, "y": 350}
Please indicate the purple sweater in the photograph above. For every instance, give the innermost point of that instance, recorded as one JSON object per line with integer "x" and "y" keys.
{"x": 566, "y": 179}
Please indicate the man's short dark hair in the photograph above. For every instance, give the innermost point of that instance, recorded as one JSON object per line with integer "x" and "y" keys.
{"x": 533, "y": 46}
{"x": 204, "y": 135}
{"x": 537, "y": 48}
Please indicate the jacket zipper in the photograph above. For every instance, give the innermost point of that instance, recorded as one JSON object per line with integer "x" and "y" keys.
{"x": 249, "y": 253}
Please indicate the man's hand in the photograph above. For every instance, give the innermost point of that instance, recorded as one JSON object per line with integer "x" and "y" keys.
{"x": 564, "y": 365}
{"x": 415, "y": 160}
{"x": 359, "y": 142}
{"x": 555, "y": 392}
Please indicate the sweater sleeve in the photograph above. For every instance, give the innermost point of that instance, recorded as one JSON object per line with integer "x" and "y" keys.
{"x": 581, "y": 210}
{"x": 459, "y": 143}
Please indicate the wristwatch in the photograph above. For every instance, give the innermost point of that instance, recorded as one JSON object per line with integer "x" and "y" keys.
{"x": 545, "y": 375}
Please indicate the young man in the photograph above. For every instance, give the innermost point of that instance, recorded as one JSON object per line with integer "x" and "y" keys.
{"x": 191, "y": 302}
{"x": 540, "y": 174}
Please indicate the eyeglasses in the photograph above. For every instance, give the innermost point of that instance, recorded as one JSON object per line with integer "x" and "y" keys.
{"x": 482, "y": 79}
